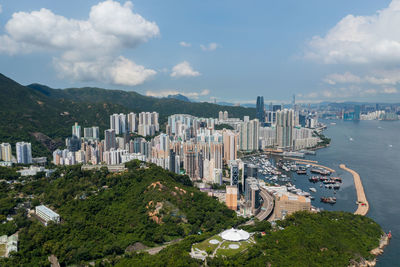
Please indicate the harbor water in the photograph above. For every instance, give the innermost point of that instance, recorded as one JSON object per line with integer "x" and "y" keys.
{"x": 371, "y": 148}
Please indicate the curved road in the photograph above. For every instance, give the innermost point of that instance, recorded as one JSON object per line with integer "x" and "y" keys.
{"x": 268, "y": 205}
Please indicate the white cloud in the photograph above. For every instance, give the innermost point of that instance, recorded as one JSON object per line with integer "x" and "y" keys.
{"x": 121, "y": 71}
{"x": 184, "y": 69}
{"x": 381, "y": 77}
{"x": 165, "y": 93}
{"x": 351, "y": 91}
{"x": 209, "y": 47}
{"x": 184, "y": 44}
{"x": 1, "y": 9}
{"x": 391, "y": 90}
{"x": 342, "y": 78}
{"x": 361, "y": 39}
{"x": 87, "y": 46}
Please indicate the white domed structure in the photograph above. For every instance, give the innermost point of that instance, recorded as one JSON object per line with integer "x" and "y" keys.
{"x": 235, "y": 235}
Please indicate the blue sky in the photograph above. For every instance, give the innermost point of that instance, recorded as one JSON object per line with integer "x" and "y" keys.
{"x": 229, "y": 50}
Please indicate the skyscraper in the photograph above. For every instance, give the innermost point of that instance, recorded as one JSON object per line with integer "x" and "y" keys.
{"x": 357, "y": 112}
{"x": 118, "y": 123}
{"x": 190, "y": 163}
{"x": 284, "y": 128}
{"x": 235, "y": 174}
{"x": 226, "y": 115}
{"x": 231, "y": 197}
{"x": 230, "y": 140}
{"x": 221, "y": 116}
{"x": 249, "y": 135}
{"x": 132, "y": 122}
{"x": 24, "y": 153}
{"x": 91, "y": 133}
{"x": 76, "y": 131}
{"x": 109, "y": 139}
{"x": 260, "y": 109}
{"x": 6, "y": 154}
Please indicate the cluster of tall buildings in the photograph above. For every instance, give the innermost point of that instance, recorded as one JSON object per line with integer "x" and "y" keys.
{"x": 116, "y": 147}
{"x": 23, "y": 151}
{"x": 144, "y": 123}
{"x": 277, "y": 128}
{"x": 190, "y": 144}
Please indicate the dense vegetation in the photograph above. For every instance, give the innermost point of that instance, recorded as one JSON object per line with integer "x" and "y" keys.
{"x": 28, "y": 115}
{"x": 104, "y": 213}
{"x": 325, "y": 141}
{"x": 137, "y": 102}
{"x": 223, "y": 126}
{"x": 310, "y": 239}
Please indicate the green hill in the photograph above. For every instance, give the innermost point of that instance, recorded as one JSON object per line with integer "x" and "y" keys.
{"x": 105, "y": 214}
{"x": 31, "y": 115}
{"x": 137, "y": 102}
{"x": 44, "y": 116}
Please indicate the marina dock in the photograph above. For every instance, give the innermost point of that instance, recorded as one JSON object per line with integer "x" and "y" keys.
{"x": 363, "y": 205}
{"x": 300, "y": 161}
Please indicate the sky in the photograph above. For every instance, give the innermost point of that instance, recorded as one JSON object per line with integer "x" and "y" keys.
{"x": 227, "y": 50}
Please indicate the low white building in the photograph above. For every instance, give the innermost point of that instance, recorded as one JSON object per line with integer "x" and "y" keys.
{"x": 33, "y": 170}
{"x": 47, "y": 214}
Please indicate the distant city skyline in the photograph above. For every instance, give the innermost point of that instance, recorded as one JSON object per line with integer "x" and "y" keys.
{"x": 230, "y": 51}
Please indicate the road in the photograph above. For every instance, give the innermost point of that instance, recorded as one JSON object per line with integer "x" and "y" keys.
{"x": 268, "y": 205}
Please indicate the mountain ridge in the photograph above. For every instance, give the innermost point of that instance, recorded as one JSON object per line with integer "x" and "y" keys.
{"x": 43, "y": 116}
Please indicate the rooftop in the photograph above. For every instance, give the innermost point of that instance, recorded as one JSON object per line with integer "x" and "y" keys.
{"x": 235, "y": 235}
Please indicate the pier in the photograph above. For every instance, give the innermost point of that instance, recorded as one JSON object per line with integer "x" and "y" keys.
{"x": 300, "y": 161}
{"x": 363, "y": 205}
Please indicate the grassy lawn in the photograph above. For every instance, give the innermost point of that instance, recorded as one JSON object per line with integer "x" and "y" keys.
{"x": 2, "y": 250}
{"x": 206, "y": 246}
{"x": 224, "y": 250}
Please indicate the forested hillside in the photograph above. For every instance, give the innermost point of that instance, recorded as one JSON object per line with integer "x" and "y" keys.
{"x": 104, "y": 213}
{"x": 44, "y": 116}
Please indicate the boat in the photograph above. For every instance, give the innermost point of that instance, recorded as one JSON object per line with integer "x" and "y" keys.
{"x": 301, "y": 172}
{"x": 336, "y": 186}
{"x": 312, "y": 189}
{"x": 336, "y": 179}
{"x": 320, "y": 171}
{"x": 329, "y": 200}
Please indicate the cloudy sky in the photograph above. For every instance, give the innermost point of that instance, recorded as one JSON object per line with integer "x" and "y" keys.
{"x": 229, "y": 50}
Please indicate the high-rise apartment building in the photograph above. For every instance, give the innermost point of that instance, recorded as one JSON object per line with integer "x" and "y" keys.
{"x": 6, "y": 154}
{"x": 109, "y": 140}
{"x": 226, "y": 115}
{"x": 118, "y": 123}
{"x": 190, "y": 163}
{"x": 221, "y": 116}
{"x": 91, "y": 133}
{"x": 148, "y": 123}
{"x": 24, "y": 153}
{"x": 76, "y": 130}
{"x": 249, "y": 135}
{"x": 132, "y": 122}
{"x": 230, "y": 140}
{"x": 284, "y": 128}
